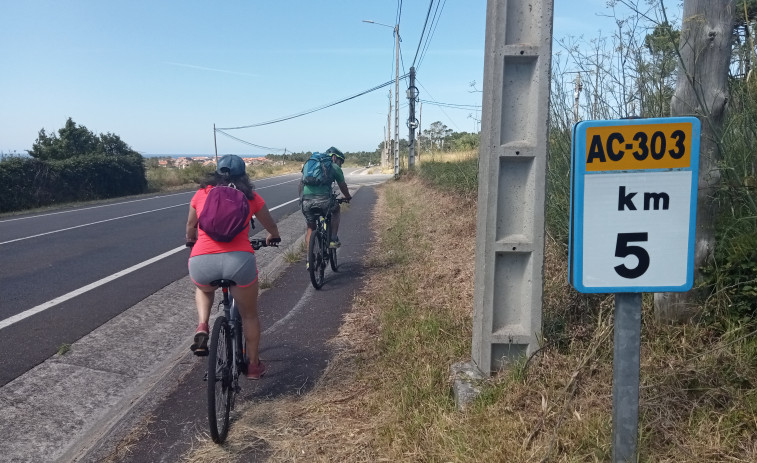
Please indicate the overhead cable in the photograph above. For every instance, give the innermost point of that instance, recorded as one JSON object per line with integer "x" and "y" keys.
{"x": 423, "y": 32}
{"x": 310, "y": 111}
{"x": 452, "y": 105}
{"x": 434, "y": 24}
{"x": 248, "y": 143}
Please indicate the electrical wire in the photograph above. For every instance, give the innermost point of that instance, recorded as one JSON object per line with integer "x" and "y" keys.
{"x": 423, "y": 32}
{"x": 452, "y": 121}
{"x": 452, "y": 105}
{"x": 249, "y": 143}
{"x": 434, "y": 24}
{"x": 310, "y": 111}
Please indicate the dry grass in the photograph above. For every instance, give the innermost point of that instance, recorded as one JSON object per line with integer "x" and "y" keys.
{"x": 386, "y": 395}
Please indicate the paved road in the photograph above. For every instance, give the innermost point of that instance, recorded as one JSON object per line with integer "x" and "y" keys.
{"x": 57, "y": 267}
{"x": 131, "y": 334}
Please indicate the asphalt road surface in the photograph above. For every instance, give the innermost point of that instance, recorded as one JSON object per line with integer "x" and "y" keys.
{"x": 106, "y": 284}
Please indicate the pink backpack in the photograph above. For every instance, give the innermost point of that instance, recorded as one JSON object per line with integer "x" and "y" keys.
{"x": 225, "y": 213}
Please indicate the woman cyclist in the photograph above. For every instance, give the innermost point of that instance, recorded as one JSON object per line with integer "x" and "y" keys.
{"x": 212, "y": 260}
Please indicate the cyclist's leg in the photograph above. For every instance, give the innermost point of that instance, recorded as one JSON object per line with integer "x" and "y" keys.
{"x": 201, "y": 271}
{"x": 242, "y": 269}
{"x": 204, "y": 299}
{"x": 307, "y": 203}
{"x": 335, "y": 216}
{"x": 310, "y": 229}
{"x": 246, "y": 298}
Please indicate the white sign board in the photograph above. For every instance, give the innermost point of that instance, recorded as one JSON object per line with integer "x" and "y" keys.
{"x": 633, "y": 205}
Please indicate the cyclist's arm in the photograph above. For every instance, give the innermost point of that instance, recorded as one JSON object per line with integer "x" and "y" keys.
{"x": 191, "y": 236}
{"x": 345, "y": 191}
{"x": 266, "y": 220}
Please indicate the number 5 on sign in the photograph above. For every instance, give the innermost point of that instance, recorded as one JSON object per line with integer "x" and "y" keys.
{"x": 633, "y": 205}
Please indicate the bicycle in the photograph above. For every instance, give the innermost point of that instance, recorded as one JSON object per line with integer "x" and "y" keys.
{"x": 319, "y": 253}
{"x": 227, "y": 359}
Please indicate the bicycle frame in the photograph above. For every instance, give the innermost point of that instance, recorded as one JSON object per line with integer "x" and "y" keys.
{"x": 320, "y": 254}
{"x": 227, "y": 359}
{"x": 231, "y": 313}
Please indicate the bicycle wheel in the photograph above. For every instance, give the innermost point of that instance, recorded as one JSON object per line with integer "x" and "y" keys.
{"x": 316, "y": 263}
{"x": 220, "y": 389}
{"x": 332, "y": 259}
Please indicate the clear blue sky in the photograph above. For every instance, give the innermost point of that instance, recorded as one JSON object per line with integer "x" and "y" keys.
{"x": 160, "y": 73}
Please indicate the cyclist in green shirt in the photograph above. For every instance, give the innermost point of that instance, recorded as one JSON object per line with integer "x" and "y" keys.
{"x": 320, "y": 196}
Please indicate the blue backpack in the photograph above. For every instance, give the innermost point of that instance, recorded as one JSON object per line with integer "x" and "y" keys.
{"x": 317, "y": 170}
{"x": 224, "y": 215}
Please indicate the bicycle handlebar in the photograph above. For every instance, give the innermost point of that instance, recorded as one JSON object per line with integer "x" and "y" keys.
{"x": 258, "y": 243}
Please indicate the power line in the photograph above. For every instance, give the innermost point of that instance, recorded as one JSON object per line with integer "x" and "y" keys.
{"x": 423, "y": 32}
{"x": 249, "y": 143}
{"x": 452, "y": 105}
{"x": 452, "y": 121}
{"x": 434, "y": 23}
{"x": 310, "y": 111}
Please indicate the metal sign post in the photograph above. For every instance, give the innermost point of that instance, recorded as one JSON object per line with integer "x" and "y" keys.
{"x": 632, "y": 230}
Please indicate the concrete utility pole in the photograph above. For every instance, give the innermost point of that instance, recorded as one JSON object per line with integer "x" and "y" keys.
{"x": 576, "y": 97}
{"x": 215, "y": 143}
{"x": 397, "y": 101}
{"x": 512, "y": 182}
{"x": 387, "y": 149}
{"x": 420, "y": 131}
{"x": 412, "y": 122}
{"x": 396, "y": 149}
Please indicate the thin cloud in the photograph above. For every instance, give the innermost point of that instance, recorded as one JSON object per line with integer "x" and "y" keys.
{"x": 202, "y": 68}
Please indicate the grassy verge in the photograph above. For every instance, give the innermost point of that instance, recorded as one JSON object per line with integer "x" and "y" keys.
{"x": 387, "y": 397}
{"x": 172, "y": 178}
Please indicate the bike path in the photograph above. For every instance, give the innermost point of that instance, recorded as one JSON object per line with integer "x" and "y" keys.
{"x": 134, "y": 384}
{"x": 297, "y": 323}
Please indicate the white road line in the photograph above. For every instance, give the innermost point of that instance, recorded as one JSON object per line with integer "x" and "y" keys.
{"x": 92, "y": 207}
{"x": 42, "y": 307}
{"x": 127, "y": 202}
{"x": 88, "y": 224}
{"x": 53, "y": 302}
{"x": 301, "y": 304}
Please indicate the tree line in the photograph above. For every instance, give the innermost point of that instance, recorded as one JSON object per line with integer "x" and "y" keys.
{"x": 72, "y": 165}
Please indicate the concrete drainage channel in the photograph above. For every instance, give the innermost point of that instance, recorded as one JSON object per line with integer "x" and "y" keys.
{"x": 77, "y": 406}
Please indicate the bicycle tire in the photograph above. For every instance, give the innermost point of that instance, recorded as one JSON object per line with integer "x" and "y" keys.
{"x": 332, "y": 259}
{"x": 316, "y": 264}
{"x": 220, "y": 384}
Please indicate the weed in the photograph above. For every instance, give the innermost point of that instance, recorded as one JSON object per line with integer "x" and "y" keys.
{"x": 63, "y": 349}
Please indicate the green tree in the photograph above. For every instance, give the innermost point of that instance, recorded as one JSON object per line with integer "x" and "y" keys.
{"x": 76, "y": 140}
{"x": 463, "y": 141}
{"x": 436, "y": 135}
{"x": 657, "y": 74}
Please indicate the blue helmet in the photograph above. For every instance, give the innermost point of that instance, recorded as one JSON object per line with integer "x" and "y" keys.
{"x": 232, "y": 165}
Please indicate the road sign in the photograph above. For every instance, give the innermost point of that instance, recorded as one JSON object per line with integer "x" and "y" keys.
{"x": 633, "y": 205}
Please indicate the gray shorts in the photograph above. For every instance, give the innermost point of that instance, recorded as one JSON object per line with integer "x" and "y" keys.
{"x": 238, "y": 266}
{"x": 320, "y": 202}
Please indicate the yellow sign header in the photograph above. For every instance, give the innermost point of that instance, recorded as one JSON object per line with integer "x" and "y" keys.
{"x": 638, "y": 146}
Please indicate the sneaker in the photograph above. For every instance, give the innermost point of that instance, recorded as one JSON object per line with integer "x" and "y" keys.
{"x": 335, "y": 243}
{"x": 200, "y": 345}
{"x": 255, "y": 372}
